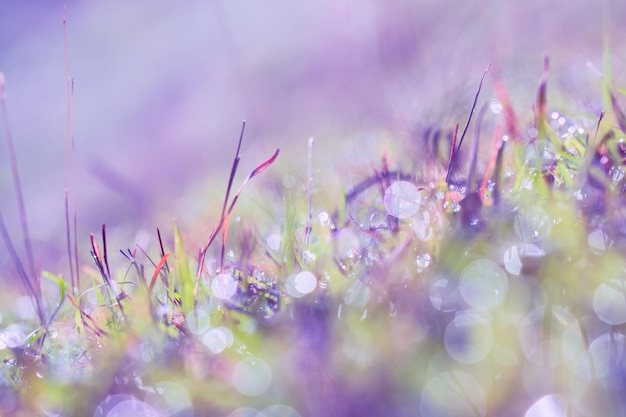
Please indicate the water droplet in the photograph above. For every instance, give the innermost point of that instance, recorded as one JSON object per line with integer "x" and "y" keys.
{"x": 469, "y": 337}
{"x": 444, "y": 294}
{"x": 245, "y": 412}
{"x": 124, "y": 406}
{"x": 609, "y": 302}
{"x": 598, "y": 241}
{"x": 512, "y": 261}
{"x": 273, "y": 241}
{"x": 224, "y": 286}
{"x": 552, "y": 405}
{"x": 423, "y": 225}
{"x": 12, "y": 336}
{"x": 423, "y": 260}
{"x": 218, "y": 339}
{"x": 279, "y": 410}
{"x": 300, "y": 284}
{"x": 198, "y": 321}
{"x": 133, "y": 408}
{"x": 324, "y": 219}
{"x": 452, "y": 394}
{"x": 308, "y": 256}
{"x": 603, "y": 356}
{"x": 402, "y": 199}
{"x": 495, "y": 106}
{"x": 517, "y": 255}
{"x": 251, "y": 376}
{"x": 483, "y": 284}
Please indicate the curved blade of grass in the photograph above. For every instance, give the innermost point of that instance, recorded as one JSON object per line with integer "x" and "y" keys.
{"x": 157, "y": 271}
{"x": 184, "y": 278}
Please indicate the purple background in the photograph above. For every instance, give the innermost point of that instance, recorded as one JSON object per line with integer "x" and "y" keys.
{"x": 161, "y": 88}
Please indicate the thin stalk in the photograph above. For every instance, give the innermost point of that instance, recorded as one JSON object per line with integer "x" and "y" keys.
{"x": 307, "y": 232}
{"x": 455, "y": 152}
{"x": 17, "y": 185}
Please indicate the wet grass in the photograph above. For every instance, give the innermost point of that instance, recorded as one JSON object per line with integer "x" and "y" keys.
{"x": 486, "y": 282}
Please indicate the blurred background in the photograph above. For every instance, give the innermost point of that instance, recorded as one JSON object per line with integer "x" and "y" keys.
{"x": 161, "y": 89}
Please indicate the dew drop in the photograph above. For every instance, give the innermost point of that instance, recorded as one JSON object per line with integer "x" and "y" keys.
{"x": 469, "y": 337}
{"x": 552, "y": 405}
{"x": 512, "y": 262}
{"x": 598, "y": 241}
{"x": 444, "y": 294}
{"x": 300, "y": 284}
{"x": 121, "y": 405}
{"x": 12, "y": 336}
{"x": 402, "y": 199}
{"x": 305, "y": 282}
{"x": 279, "y": 410}
{"x": 423, "y": 225}
{"x": 603, "y": 355}
{"x": 609, "y": 302}
{"x": 224, "y": 286}
{"x": 273, "y": 241}
{"x": 245, "y": 412}
{"x": 218, "y": 339}
{"x": 423, "y": 260}
{"x": 133, "y": 408}
{"x": 483, "y": 284}
{"x": 198, "y": 321}
{"x": 324, "y": 219}
{"x": 515, "y": 257}
{"x": 251, "y": 376}
{"x": 495, "y": 106}
{"x": 308, "y": 256}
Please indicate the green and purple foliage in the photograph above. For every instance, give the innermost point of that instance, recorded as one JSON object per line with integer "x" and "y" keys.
{"x": 473, "y": 268}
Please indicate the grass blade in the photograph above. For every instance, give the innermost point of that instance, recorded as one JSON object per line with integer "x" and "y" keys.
{"x": 454, "y": 151}
{"x": 157, "y": 271}
{"x": 17, "y": 185}
{"x": 184, "y": 279}
{"x": 307, "y": 232}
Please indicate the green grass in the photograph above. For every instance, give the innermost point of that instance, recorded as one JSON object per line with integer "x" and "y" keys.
{"x": 471, "y": 276}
